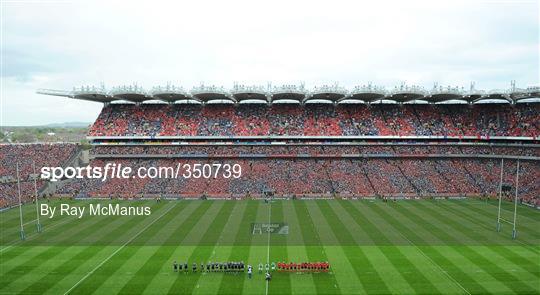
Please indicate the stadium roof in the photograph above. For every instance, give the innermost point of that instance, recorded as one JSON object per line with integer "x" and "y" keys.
{"x": 329, "y": 93}
{"x": 247, "y": 93}
{"x": 169, "y": 93}
{"x": 288, "y": 92}
{"x": 334, "y": 94}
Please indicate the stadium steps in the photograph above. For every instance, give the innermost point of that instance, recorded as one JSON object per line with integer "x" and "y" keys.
{"x": 74, "y": 161}
{"x": 366, "y": 174}
{"x": 418, "y": 191}
{"x": 471, "y": 176}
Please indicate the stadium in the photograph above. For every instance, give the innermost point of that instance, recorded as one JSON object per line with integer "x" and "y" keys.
{"x": 281, "y": 190}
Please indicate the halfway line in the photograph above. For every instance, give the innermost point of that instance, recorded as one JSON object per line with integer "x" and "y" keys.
{"x": 268, "y": 229}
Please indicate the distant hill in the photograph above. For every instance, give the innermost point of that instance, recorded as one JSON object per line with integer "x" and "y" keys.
{"x": 68, "y": 125}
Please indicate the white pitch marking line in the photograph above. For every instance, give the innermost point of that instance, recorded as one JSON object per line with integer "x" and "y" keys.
{"x": 30, "y": 222}
{"x": 29, "y": 236}
{"x": 487, "y": 227}
{"x": 435, "y": 264}
{"x": 117, "y": 250}
{"x": 268, "y": 229}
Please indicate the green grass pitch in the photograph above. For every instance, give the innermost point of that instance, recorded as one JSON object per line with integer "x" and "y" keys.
{"x": 407, "y": 247}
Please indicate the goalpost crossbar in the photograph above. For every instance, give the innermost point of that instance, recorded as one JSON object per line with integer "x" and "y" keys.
{"x": 499, "y": 218}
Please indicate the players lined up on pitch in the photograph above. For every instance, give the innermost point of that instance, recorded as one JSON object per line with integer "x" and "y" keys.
{"x": 236, "y": 267}
{"x": 303, "y": 267}
{"x": 210, "y": 267}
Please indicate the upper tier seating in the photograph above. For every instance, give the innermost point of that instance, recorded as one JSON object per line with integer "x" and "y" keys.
{"x": 318, "y": 120}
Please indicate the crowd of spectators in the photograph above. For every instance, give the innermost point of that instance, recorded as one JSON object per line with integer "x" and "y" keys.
{"x": 318, "y": 120}
{"x": 230, "y": 150}
{"x": 305, "y": 177}
{"x": 299, "y": 169}
{"x": 25, "y": 155}
{"x": 53, "y": 154}
{"x": 295, "y": 175}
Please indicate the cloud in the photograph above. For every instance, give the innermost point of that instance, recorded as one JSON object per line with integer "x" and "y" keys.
{"x": 59, "y": 45}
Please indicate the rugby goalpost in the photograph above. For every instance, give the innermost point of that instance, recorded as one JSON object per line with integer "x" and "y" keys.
{"x": 499, "y": 218}
{"x": 38, "y": 224}
{"x": 20, "y": 204}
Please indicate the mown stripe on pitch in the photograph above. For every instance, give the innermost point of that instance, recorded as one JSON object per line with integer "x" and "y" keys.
{"x": 59, "y": 250}
{"x": 530, "y": 213}
{"x": 202, "y": 253}
{"x": 354, "y": 218}
{"x": 464, "y": 270}
{"x": 489, "y": 211}
{"x": 159, "y": 267}
{"x": 29, "y": 272}
{"x": 470, "y": 252}
{"x": 433, "y": 224}
{"x": 258, "y": 253}
{"x": 375, "y": 234}
{"x": 10, "y": 225}
{"x": 210, "y": 283}
{"x": 471, "y": 214}
{"x": 154, "y": 265}
{"x": 21, "y": 248}
{"x": 516, "y": 252}
{"x": 109, "y": 269}
{"x": 507, "y": 254}
{"x": 506, "y": 259}
{"x": 52, "y": 278}
{"x": 514, "y": 283}
{"x": 84, "y": 254}
{"x": 49, "y": 252}
{"x": 448, "y": 265}
{"x": 300, "y": 284}
{"x": 487, "y": 227}
{"x": 32, "y": 237}
{"x": 324, "y": 283}
{"x": 10, "y": 219}
{"x": 443, "y": 235}
{"x": 412, "y": 236}
{"x": 382, "y": 226}
{"x": 364, "y": 233}
{"x": 204, "y": 250}
{"x": 439, "y": 219}
{"x": 119, "y": 249}
{"x": 495, "y": 271}
{"x": 366, "y": 273}
{"x": 11, "y": 216}
{"x": 393, "y": 275}
{"x": 281, "y": 282}
{"x": 414, "y": 278}
{"x": 361, "y": 235}
{"x": 30, "y": 228}
{"x": 88, "y": 268}
{"x": 229, "y": 285}
{"x": 524, "y": 252}
{"x": 472, "y": 211}
{"x": 529, "y": 246}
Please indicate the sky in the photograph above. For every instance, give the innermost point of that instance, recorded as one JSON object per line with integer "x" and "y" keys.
{"x": 57, "y": 44}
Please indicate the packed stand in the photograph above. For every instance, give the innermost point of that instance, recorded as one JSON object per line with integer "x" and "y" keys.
{"x": 328, "y": 177}
{"x": 153, "y": 120}
{"x": 248, "y": 150}
{"x": 25, "y": 155}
